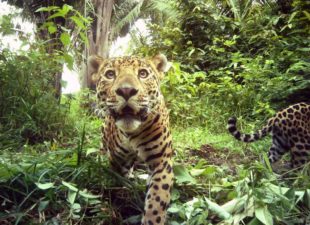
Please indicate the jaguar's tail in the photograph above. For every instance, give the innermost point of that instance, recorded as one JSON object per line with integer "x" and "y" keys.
{"x": 232, "y": 128}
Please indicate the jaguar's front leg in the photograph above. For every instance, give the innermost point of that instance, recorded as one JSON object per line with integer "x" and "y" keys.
{"x": 159, "y": 186}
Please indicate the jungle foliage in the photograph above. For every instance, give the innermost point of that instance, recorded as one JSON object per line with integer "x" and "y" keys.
{"x": 245, "y": 58}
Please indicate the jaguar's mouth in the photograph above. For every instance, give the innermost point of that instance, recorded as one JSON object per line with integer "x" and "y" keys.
{"x": 128, "y": 113}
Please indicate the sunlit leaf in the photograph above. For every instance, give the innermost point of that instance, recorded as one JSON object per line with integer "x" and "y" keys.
{"x": 71, "y": 196}
{"x": 47, "y": 9}
{"x": 221, "y": 212}
{"x": 88, "y": 195}
{"x": 70, "y": 186}
{"x": 44, "y": 186}
{"x": 78, "y": 22}
{"x": 52, "y": 29}
{"x": 263, "y": 215}
{"x": 182, "y": 175}
{"x": 76, "y": 207}
{"x": 65, "y": 38}
{"x": 91, "y": 150}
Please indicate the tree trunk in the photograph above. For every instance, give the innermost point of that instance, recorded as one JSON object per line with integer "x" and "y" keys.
{"x": 98, "y": 37}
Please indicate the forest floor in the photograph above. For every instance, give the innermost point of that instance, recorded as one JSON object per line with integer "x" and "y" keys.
{"x": 222, "y": 157}
{"x": 217, "y": 181}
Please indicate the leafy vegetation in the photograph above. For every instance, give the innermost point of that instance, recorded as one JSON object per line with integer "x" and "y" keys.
{"x": 245, "y": 58}
{"x": 253, "y": 55}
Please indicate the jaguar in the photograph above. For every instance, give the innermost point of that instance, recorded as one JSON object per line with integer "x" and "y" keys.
{"x": 290, "y": 130}
{"x": 136, "y": 124}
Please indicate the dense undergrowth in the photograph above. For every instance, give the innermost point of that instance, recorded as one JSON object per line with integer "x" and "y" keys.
{"x": 246, "y": 61}
{"x": 218, "y": 181}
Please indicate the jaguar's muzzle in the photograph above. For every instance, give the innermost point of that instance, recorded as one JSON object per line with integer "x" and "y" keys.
{"x": 127, "y": 113}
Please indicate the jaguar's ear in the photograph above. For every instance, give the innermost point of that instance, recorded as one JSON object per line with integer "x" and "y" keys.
{"x": 161, "y": 63}
{"x": 93, "y": 64}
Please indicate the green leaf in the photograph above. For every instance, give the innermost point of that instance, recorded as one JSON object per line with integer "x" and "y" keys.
{"x": 254, "y": 221}
{"x": 263, "y": 215}
{"x": 174, "y": 208}
{"x": 66, "y": 8}
{"x": 58, "y": 14}
{"x": 78, "y": 22}
{"x": 61, "y": 12}
{"x": 70, "y": 186}
{"x": 76, "y": 207}
{"x": 69, "y": 61}
{"x": 306, "y": 198}
{"x": 47, "y": 9}
{"x": 71, "y": 196}
{"x": 196, "y": 172}
{"x": 65, "y": 39}
{"x": 306, "y": 14}
{"x": 221, "y": 212}
{"x": 182, "y": 175}
{"x": 52, "y": 29}
{"x": 292, "y": 17}
{"x": 88, "y": 195}
{"x": 290, "y": 194}
{"x": 175, "y": 194}
{"x": 84, "y": 38}
{"x": 91, "y": 150}
{"x": 43, "y": 205}
{"x": 45, "y": 185}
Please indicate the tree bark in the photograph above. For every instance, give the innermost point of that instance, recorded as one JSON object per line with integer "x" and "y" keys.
{"x": 98, "y": 37}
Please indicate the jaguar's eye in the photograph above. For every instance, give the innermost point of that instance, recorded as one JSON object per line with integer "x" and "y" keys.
{"x": 110, "y": 74}
{"x": 143, "y": 73}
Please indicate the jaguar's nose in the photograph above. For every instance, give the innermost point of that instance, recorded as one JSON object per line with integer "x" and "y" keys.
{"x": 126, "y": 93}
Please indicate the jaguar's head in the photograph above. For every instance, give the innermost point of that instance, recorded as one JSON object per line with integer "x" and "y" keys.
{"x": 128, "y": 88}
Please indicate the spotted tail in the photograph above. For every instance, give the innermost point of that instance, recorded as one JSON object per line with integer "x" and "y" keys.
{"x": 232, "y": 128}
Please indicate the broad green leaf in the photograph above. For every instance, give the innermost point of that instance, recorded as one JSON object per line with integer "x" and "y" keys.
{"x": 70, "y": 186}
{"x": 182, "y": 175}
{"x": 61, "y": 12}
{"x": 91, "y": 150}
{"x": 78, "y": 22}
{"x": 221, "y": 212}
{"x": 263, "y": 215}
{"x": 175, "y": 194}
{"x": 196, "y": 172}
{"x": 71, "y": 196}
{"x": 88, "y": 195}
{"x": 45, "y": 185}
{"x": 76, "y": 207}
{"x": 210, "y": 170}
{"x": 174, "y": 208}
{"x": 290, "y": 194}
{"x": 52, "y": 29}
{"x": 65, "y": 38}
{"x": 66, "y": 8}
